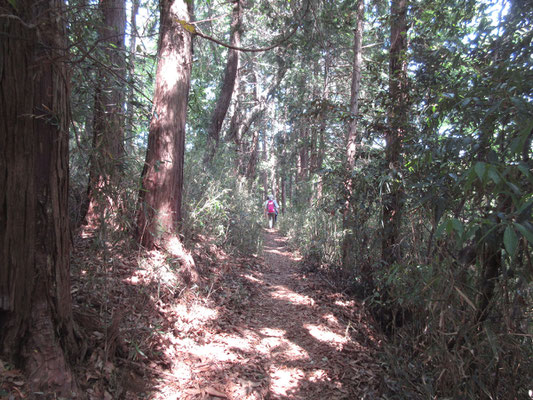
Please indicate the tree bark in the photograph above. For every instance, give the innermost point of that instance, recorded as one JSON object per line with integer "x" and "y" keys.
{"x": 228, "y": 84}
{"x": 353, "y": 142}
{"x": 108, "y": 124}
{"x": 264, "y": 157}
{"x": 252, "y": 162}
{"x": 131, "y": 74}
{"x": 303, "y": 154}
{"x": 392, "y": 200}
{"x": 162, "y": 177}
{"x": 35, "y": 304}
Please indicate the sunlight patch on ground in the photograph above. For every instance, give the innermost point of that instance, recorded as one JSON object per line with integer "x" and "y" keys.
{"x": 237, "y": 342}
{"x": 195, "y": 313}
{"x": 154, "y": 267}
{"x": 345, "y": 303}
{"x": 325, "y": 335}
{"x": 283, "y": 380}
{"x": 331, "y": 319}
{"x": 275, "y": 346}
{"x": 278, "y": 251}
{"x": 181, "y": 371}
{"x": 212, "y": 352}
{"x": 317, "y": 375}
{"x": 282, "y": 293}
{"x": 252, "y": 278}
{"x": 272, "y": 332}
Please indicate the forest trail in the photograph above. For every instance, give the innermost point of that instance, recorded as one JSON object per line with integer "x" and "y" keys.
{"x": 284, "y": 335}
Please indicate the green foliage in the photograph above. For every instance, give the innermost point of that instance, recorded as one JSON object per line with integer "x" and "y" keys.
{"x": 456, "y": 331}
{"x": 317, "y": 234}
{"x": 221, "y": 207}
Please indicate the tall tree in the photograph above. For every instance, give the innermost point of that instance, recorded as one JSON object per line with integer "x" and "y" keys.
{"x": 162, "y": 177}
{"x": 228, "y": 84}
{"x": 131, "y": 68}
{"x": 36, "y": 331}
{"x": 108, "y": 118}
{"x": 395, "y": 132}
{"x": 353, "y": 142}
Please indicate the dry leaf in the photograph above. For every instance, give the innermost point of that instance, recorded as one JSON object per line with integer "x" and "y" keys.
{"x": 208, "y": 390}
{"x": 214, "y": 392}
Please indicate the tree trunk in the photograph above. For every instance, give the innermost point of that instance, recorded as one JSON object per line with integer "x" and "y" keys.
{"x": 108, "y": 124}
{"x": 241, "y": 126}
{"x": 264, "y": 157}
{"x": 252, "y": 162}
{"x": 131, "y": 74}
{"x": 303, "y": 154}
{"x": 228, "y": 84}
{"x": 353, "y": 142}
{"x": 35, "y": 304}
{"x": 392, "y": 200}
{"x": 283, "y": 201}
{"x": 162, "y": 177}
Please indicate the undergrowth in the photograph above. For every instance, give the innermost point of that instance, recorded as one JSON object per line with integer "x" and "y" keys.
{"x": 220, "y": 206}
{"x": 428, "y": 303}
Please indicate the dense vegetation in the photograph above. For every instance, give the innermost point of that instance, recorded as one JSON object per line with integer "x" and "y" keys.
{"x": 396, "y": 136}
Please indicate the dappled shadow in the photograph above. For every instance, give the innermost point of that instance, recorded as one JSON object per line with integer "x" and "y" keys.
{"x": 253, "y": 330}
{"x": 283, "y": 337}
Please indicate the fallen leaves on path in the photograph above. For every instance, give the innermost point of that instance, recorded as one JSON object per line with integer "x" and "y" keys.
{"x": 255, "y": 328}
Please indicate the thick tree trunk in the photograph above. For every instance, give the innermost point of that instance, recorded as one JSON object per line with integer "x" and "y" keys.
{"x": 36, "y": 328}
{"x": 108, "y": 124}
{"x": 228, "y": 84}
{"x": 162, "y": 178}
{"x": 392, "y": 200}
{"x": 353, "y": 142}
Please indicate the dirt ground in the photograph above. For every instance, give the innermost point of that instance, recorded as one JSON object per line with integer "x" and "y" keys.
{"x": 285, "y": 335}
{"x": 255, "y": 327}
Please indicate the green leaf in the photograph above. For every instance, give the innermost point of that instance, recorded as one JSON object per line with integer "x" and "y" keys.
{"x": 493, "y": 174}
{"x": 516, "y": 190}
{"x": 457, "y": 226}
{"x": 480, "y": 169}
{"x": 13, "y": 4}
{"x": 527, "y": 233}
{"x": 510, "y": 240}
{"x": 524, "y": 206}
{"x": 440, "y": 229}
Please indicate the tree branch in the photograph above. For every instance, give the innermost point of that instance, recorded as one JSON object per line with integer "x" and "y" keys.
{"x": 191, "y": 28}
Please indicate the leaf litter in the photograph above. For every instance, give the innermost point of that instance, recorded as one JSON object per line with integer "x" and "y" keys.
{"x": 250, "y": 328}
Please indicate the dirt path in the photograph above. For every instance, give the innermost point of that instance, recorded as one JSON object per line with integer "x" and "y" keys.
{"x": 283, "y": 335}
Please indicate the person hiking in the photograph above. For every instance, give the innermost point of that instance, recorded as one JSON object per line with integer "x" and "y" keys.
{"x": 271, "y": 210}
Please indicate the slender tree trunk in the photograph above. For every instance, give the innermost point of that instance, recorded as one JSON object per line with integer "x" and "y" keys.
{"x": 303, "y": 154}
{"x": 131, "y": 74}
{"x": 108, "y": 125}
{"x": 353, "y": 142}
{"x": 241, "y": 126}
{"x": 228, "y": 84}
{"x": 162, "y": 178}
{"x": 36, "y": 331}
{"x": 264, "y": 157}
{"x": 252, "y": 162}
{"x": 392, "y": 200}
{"x": 283, "y": 201}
